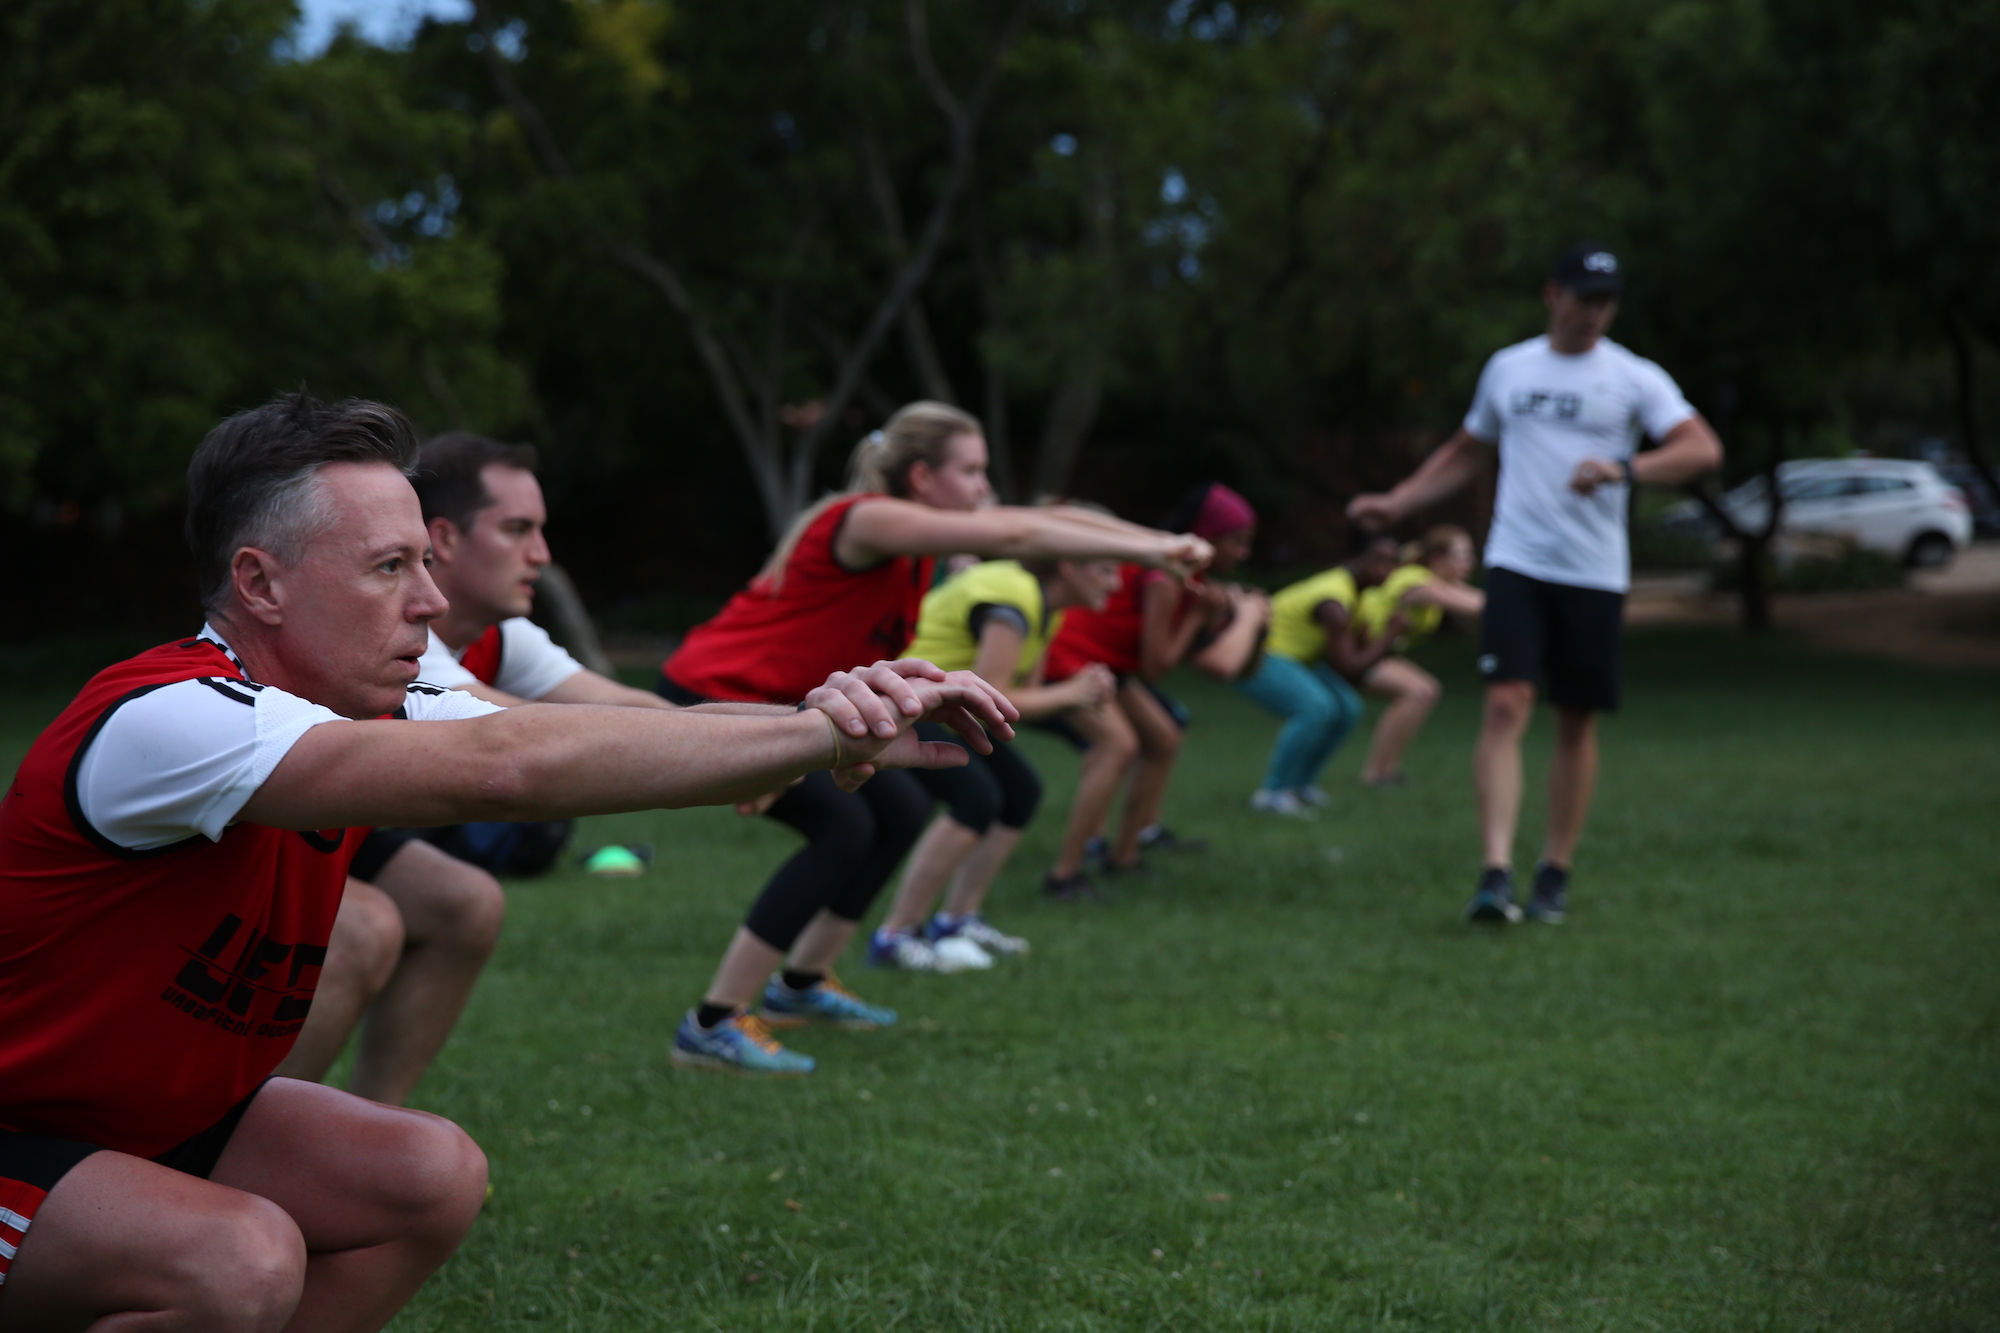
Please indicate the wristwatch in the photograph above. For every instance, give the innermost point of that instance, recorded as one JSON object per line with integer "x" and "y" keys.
{"x": 1625, "y": 466}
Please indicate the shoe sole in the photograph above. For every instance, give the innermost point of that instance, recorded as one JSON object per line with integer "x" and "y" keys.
{"x": 1545, "y": 916}
{"x": 1495, "y": 914}
{"x": 692, "y": 1060}
{"x": 772, "y": 1020}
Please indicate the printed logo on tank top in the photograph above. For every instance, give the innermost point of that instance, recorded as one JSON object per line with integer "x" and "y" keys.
{"x": 247, "y": 983}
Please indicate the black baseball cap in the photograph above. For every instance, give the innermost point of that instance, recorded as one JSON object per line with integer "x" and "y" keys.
{"x": 1589, "y": 269}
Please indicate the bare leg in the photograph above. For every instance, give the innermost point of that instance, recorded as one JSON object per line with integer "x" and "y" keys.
{"x": 361, "y": 956}
{"x": 1572, "y": 780}
{"x": 1113, "y": 746}
{"x": 382, "y": 1196}
{"x": 1159, "y": 748}
{"x": 1496, "y": 767}
{"x": 933, "y": 861}
{"x": 1413, "y": 692}
{"x": 124, "y": 1245}
{"x": 325, "y": 1214}
{"x": 821, "y": 943}
{"x": 746, "y": 964}
{"x": 981, "y": 868}
{"x": 451, "y": 920}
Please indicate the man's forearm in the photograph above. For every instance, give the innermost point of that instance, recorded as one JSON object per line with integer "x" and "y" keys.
{"x": 1689, "y": 450}
{"x": 536, "y": 762}
{"x": 1449, "y": 469}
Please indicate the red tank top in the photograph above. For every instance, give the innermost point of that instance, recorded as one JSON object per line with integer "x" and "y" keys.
{"x": 482, "y": 657}
{"x": 1111, "y": 636}
{"x": 776, "y": 644}
{"x": 143, "y": 994}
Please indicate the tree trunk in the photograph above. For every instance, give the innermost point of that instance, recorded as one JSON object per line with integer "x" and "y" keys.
{"x": 1963, "y": 358}
{"x": 1071, "y": 415}
{"x": 579, "y": 633}
{"x": 999, "y": 438}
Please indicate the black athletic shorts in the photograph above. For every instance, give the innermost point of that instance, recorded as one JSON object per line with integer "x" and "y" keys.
{"x": 1565, "y": 640}
{"x": 31, "y": 1164}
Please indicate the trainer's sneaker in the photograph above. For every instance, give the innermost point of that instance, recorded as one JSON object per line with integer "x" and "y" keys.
{"x": 907, "y": 951}
{"x": 1314, "y": 796}
{"x": 958, "y": 949}
{"x": 1494, "y": 900}
{"x": 1281, "y": 802}
{"x": 980, "y": 931}
{"x": 1549, "y": 902}
{"x": 739, "y": 1044}
{"x": 1160, "y": 838}
{"x": 825, "y": 1001}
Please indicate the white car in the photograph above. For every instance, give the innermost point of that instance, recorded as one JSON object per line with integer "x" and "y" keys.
{"x": 1893, "y": 505}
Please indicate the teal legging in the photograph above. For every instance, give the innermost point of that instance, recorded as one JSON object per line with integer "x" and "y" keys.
{"x": 1319, "y": 709}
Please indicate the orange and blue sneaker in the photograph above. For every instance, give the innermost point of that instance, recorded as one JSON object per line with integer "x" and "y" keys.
{"x": 825, "y": 1001}
{"x": 739, "y": 1044}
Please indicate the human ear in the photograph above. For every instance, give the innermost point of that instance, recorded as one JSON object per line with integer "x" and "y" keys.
{"x": 257, "y": 578}
{"x": 444, "y": 539}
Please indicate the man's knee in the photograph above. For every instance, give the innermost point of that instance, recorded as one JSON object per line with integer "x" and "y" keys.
{"x": 471, "y": 908}
{"x": 368, "y": 937}
{"x": 239, "y": 1267}
{"x": 431, "y": 1179}
{"x": 1509, "y": 704}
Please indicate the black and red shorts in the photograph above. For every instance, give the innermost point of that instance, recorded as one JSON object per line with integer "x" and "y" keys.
{"x": 1567, "y": 641}
{"x": 32, "y": 1164}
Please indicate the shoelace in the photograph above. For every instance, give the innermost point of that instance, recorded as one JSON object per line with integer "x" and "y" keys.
{"x": 757, "y": 1033}
{"x": 832, "y": 983}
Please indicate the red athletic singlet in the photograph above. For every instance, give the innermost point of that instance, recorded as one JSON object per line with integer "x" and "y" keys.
{"x": 143, "y": 994}
{"x": 482, "y": 658}
{"x": 1111, "y": 636}
{"x": 778, "y": 644}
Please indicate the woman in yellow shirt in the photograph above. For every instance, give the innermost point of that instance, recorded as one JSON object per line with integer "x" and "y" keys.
{"x": 995, "y": 618}
{"x": 1312, "y": 658}
{"x": 1432, "y": 583}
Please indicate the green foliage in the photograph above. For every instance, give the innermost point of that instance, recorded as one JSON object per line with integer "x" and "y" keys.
{"x": 1854, "y": 569}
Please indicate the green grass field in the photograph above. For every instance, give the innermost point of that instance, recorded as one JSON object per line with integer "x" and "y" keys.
{"x": 1751, "y": 1085}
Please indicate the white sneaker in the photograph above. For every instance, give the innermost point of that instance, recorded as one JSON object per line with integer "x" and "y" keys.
{"x": 989, "y": 937}
{"x": 1281, "y": 802}
{"x": 909, "y": 953}
{"x": 1313, "y": 796}
{"x": 962, "y": 952}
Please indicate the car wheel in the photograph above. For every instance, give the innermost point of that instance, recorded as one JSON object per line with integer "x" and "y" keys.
{"x": 1930, "y": 550}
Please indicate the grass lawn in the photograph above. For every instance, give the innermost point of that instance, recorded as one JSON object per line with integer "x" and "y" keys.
{"x": 1750, "y": 1085}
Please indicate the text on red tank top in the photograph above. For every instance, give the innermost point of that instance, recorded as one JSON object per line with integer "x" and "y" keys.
{"x": 144, "y": 993}
{"x": 779, "y": 639}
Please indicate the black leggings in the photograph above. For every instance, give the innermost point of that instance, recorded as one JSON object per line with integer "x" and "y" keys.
{"x": 1001, "y": 787}
{"x": 853, "y": 841}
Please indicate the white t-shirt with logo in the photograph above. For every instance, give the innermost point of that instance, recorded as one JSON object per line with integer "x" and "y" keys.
{"x": 530, "y": 662}
{"x": 185, "y": 758}
{"x": 1548, "y": 412}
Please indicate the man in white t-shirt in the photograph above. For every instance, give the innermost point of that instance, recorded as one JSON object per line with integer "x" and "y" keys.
{"x": 1568, "y": 410}
{"x": 172, "y": 851}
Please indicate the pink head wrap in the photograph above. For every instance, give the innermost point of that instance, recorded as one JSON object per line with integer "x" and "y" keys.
{"x": 1222, "y": 511}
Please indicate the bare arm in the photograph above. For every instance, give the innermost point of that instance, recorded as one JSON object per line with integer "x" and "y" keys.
{"x": 542, "y": 762}
{"x": 1458, "y": 598}
{"x": 1233, "y": 648}
{"x": 1162, "y": 643}
{"x": 1449, "y": 469}
{"x": 1687, "y": 451}
{"x": 1000, "y": 650}
{"x": 1343, "y": 654}
{"x": 587, "y": 687}
{"x": 877, "y": 529}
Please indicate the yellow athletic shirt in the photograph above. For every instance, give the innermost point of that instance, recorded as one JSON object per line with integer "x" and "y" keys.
{"x": 944, "y": 625}
{"x": 1379, "y": 603}
{"x": 1295, "y": 631}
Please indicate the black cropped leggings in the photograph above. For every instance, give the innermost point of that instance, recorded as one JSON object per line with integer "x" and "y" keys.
{"x": 1001, "y": 787}
{"x": 854, "y": 841}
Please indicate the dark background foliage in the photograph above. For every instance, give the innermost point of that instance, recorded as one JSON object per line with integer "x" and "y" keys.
{"x": 694, "y": 250}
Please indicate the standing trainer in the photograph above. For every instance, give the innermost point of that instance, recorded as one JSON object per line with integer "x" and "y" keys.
{"x": 1567, "y": 411}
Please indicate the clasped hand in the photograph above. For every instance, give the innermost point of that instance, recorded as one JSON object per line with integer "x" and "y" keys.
{"x": 875, "y": 710}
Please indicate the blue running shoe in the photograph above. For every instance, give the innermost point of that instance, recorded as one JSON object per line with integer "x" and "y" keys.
{"x": 1493, "y": 903}
{"x": 739, "y": 1044}
{"x": 1549, "y": 903}
{"x": 826, "y": 1001}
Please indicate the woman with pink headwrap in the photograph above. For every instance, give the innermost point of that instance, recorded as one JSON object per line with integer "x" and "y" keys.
{"x": 1151, "y": 624}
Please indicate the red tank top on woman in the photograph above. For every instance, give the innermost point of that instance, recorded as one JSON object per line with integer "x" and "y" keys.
{"x": 777, "y": 641}
{"x": 1111, "y": 636}
{"x": 145, "y": 993}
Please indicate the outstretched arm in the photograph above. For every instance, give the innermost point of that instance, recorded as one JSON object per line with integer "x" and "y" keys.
{"x": 1461, "y": 599}
{"x": 543, "y": 762}
{"x": 877, "y": 529}
{"x": 1449, "y": 469}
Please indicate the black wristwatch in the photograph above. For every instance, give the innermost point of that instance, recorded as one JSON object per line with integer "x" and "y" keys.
{"x": 1625, "y": 466}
